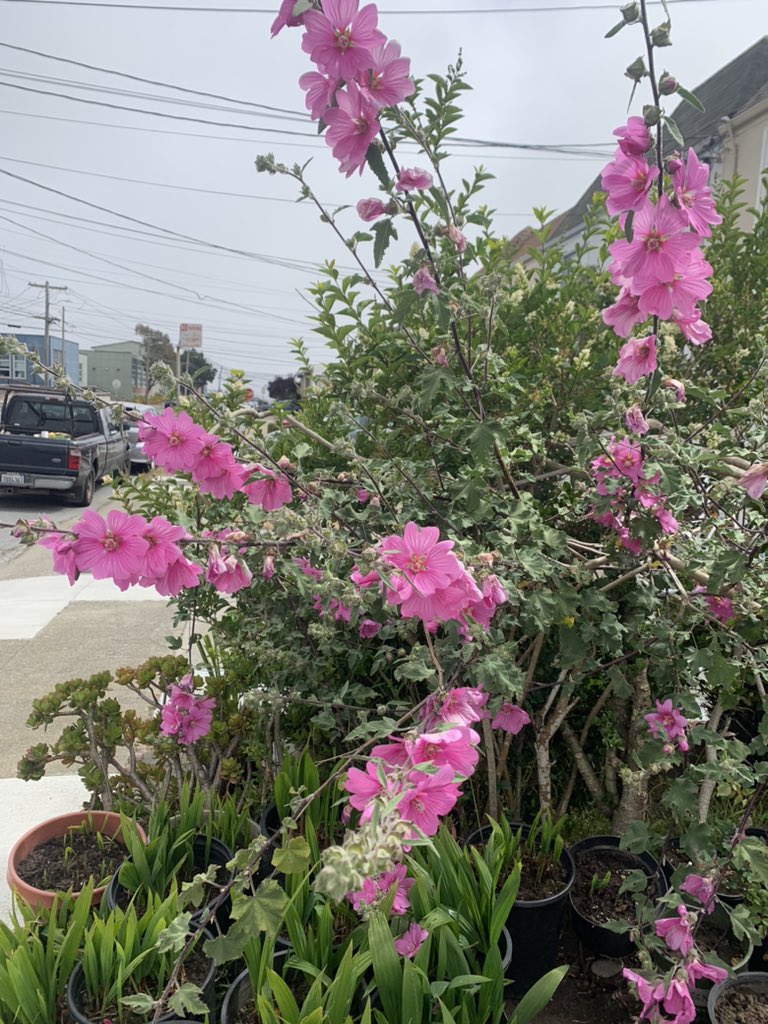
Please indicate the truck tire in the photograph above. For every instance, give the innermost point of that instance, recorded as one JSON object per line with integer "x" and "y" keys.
{"x": 83, "y": 495}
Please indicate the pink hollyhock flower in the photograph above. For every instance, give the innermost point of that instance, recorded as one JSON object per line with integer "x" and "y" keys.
{"x": 493, "y": 595}
{"x": 696, "y": 970}
{"x": 676, "y": 931}
{"x": 667, "y": 722}
{"x": 636, "y": 422}
{"x": 368, "y": 628}
{"x": 628, "y": 458}
{"x": 213, "y": 457}
{"x": 364, "y": 897}
{"x": 754, "y": 480}
{"x": 410, "y": 943}
{"x": 395, "y": 754}
{"x": 386, "y": 81}
{"x": 676, "y": 386}
{"x": 370, "y": 209}
{"x": 308, "y": 569}
{"x": 364, "y": 786}
{"x": 694, "y": 329}
{"x": 397, "y": 877}
{"x": 669, "y": 525}
{"x": 362, "y": 495}
{"x": 462, "y": 706}
{"x": 339, "y": 611}
{"x": 624, "y": 314}
{"x": 271, "y": 491}
{"x": 424, "y": 282}
{"x": 634, "y": 137}
{"x": 180, "y": 575}
{"x": 721, "y": 607}
{"x": 340, "y": 39}
{"x": 446, "y": 604}
{"x": 511, "y": 719}
{"x": 660, "y": 248}
{"x": 172, "y": 441}
{"x": 631, "y": 544}
{"x": 320, "y": 90}
{"x": 454, "y": 748}
{"x": 649, "y": 995}
{"x": 161, "y": 536}
{"x": 626, "y": 181}
{"x": 426, "y": 562}
{"x": 428, "y": 797}
{"x": 286, "y": 17}
{"x": 268, "y": 569}
{"x": 227, "y": 574}
{"x": 413, "y": 178}
{"x": 677, "y": 1001}
{"x": 364, "y": 580}
{"x": 458, "y": 238}
{"x": 681, "y": 293}
{"x": 694, "y": 196}
{"x": 637, "y": 358}
{"x": 352, "y": 127}
{"x": 111, "y": 549}
{"x": 64, "y": 554}
{"x": 185, "y": 716}
{"x": 703, "y": 889}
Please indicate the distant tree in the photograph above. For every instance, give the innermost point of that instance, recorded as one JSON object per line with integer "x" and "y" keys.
{"x": 157, "y": 349}
{"x": 283, "y": 389}
{"x": 197, "y": 366}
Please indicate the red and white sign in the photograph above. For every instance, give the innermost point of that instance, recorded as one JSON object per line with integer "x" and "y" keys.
{"x": 190, "y": 335}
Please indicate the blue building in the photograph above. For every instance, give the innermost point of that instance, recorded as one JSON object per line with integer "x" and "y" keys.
{"x": 20, "y": 368}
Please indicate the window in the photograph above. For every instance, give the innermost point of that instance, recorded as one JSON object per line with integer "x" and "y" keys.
{"x": 13, "y": 366}
{"x": 762, "y": 169}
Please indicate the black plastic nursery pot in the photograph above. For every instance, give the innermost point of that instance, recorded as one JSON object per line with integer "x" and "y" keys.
{"x": 240, "y": 993}
{"x": 596, "y": 937}
{"x": 204, "y": 853}
{"x": 534, "y": 925}
{"x": 76, "y": 993}
{"x": 755, "y": 982}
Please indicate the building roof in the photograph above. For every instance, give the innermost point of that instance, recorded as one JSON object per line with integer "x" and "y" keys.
{"x": 731, "y": 90}
{"x": 518, "y": 245}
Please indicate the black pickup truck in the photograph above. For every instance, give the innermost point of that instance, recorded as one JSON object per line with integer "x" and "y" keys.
{"x": 52, "y": 442}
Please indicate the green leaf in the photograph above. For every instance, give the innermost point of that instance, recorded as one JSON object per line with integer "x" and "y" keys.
{"x": 690, "y": 98}
{"x": 405, "y": 302}
{"x": 674, "y": 131}
{"x": 384, "y": 230}
{"x": 187, "y": 999}
{"x": 387, "y": 969}
{"x": 375, "y": 161}
{"x": 536, "y": 998}
{"x": 172, "y": 938}
{"x": 628, "y": 225}
{"x": 615, "y": 30}
{"x": 142, "y": 1003}
{"x": 293, "y": 857}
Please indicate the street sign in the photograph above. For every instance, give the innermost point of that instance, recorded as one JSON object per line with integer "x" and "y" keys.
{"x": 190, "y": 335}
{"x": 249, "y": 394}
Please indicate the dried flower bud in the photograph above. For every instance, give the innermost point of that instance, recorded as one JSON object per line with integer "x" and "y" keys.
{"x": 651, "y": 115}
{"x": 636, "y": 70}
{"x": 660, "y": 36}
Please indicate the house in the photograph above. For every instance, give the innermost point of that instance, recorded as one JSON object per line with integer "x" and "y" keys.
{"x": 117, "y": 368}
{"x": 65, "y": 354}
{"x": 731, "y": 135}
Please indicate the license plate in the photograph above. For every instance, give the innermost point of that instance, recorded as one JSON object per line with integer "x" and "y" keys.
{"x": 12, "y": 478}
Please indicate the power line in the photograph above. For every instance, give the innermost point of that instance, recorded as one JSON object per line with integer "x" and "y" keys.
{"x": 271, "y": 10}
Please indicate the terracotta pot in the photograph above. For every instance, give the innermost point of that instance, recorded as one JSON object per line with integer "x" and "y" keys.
{"x": 56, "y": 828}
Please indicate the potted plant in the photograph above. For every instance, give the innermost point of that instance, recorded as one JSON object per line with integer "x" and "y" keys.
{"x": 603, "y": 895}
{"x": 545, "y": 870}
{"x": 127, "y": 960}
{"x": 65, "y": 852}
{"x": 741, "y": 999}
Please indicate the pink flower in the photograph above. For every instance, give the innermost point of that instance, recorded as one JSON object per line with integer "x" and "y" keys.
{"x": 285, "y": 17}
{"x": 755, "y": 480}
{"x": 426, "y": 562}
{"x": 676, "y": 386}
{"x": 676, "y": 931}
{"x": 660, "y": 248}
{"x": 703, "y": 889}
{"x": 320, "y": 90}
{"x": 397, "y": 877}
{"x": 64, "y": 554}
{"x": 161, "y": 537}
{"x": 363, "y": 580}
{"x": 721, "y": 607}
{"x": 424, "y": 282}
{"x": 308, "y": 569}
{"x": 362, "y": 495}
{"x": 667, "y": 722}
{"x": 172, "y": 441}
{"x": 634, "y": 137}
{"x": 677, "y": 1001}
{"x": 493, "y": 595}
{"x": 394, "y": 754}
{"x": 352, "y": 127}
{"x": 180, "y": 575}
{"x": 694, "y": 196}
{"x": 636, "y": 422}
{"x": 454, "y": 748}
{"x": 627, "y": 180}
{"x": 669, "y": 525}
{"x": 429, "y": 797}
{"x": 439, "y": 355}
{"x": 227, "y": 574}
{"x": 340, "y": 39}
{"x": 185, "y": 716}
{"x": 681, "y": 293}
{"x": 413, "y": 178}
{"x": 271, "y": 491}
{"x": 410, "y": 943}
{"x": 365, "y": 786}
{"x": 649, "y": 995}
{"x": 637, "y": 358}
{"x": 628, "y": 458}
{"x": 387, "y": 80}
{"x": 338, "y": 611}
{"x": 114, "y": 548}
{"x": 694, "y": 329}
{"x": 511, "y": 719}
{"x": 624, "y": 314}
{"x": 368, "y": 628}
{"x": 462, "y": 706}
{"x": 370, "y": 209}
{"x": 458, "y": 238}
{"x": 695, "y": 970}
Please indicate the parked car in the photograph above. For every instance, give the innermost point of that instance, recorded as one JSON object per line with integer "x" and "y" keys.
{"x": 52, "y": 442}
{"x": 138, "y": 458}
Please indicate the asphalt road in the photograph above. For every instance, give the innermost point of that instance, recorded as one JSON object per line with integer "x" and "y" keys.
{"x": 34, "y": 505}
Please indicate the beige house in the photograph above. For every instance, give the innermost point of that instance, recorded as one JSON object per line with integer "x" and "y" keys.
{"x": 745, "y": 149}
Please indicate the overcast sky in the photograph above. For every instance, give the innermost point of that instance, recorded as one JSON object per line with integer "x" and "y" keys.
{"x": 541, "y": 76}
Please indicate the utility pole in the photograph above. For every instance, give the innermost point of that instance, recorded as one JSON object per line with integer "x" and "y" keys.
{"x": 48, "y": 319}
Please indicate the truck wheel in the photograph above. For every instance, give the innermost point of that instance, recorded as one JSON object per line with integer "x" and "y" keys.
{"x": 83, "y": 495}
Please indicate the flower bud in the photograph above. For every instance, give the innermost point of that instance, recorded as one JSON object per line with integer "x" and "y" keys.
{"x": 636, "y": 70}
{"x": 660, "y": 35}
{"x": 667, "y": 84}
{"x": 674, "y": 163}
{"x": 630, "y": 13}
{"x": 651, "y": 115}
